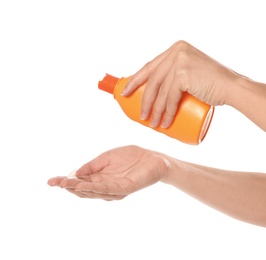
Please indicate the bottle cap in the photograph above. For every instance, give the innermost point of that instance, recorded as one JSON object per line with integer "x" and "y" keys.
{"x": 108, "y": 83}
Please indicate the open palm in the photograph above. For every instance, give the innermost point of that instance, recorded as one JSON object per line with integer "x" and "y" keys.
{"x": 115, "y": 174}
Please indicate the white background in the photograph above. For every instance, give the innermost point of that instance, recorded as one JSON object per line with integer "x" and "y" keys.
{"x": 53, "y": 119}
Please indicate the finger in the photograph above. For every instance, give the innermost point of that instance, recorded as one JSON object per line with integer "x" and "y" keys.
{"x": 107, "y": 188}
{"x": 79, "y": 194}
{"x": 161, "y": 101}
{"x": 95, "y": 165}
{"x": 136, "y": 80}
{"x": 96, "y": 177}
{"x": 173, "y": 100}
{"x": 92, "y": 195}
{"x": 55, "y": 181}
{"x": 152, "y": 88}
{"x": 69, "y": 183}
{"x": 143, "y": 74}
{"x": 107, "y": 197}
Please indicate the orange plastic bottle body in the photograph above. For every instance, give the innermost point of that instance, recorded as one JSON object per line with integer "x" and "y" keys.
{"x": 191, "y": 121}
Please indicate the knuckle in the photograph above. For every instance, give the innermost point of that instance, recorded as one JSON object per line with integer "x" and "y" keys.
{"x": 171, "y": 110}
{"x": 181, "y": 45}
{"x": 164, "y": 91}
{"x": 147, "y": 104}
{"x": 170, "y": 114}
{"x": 182, "y": 51}
{"x": 159, "y": 106}
{"x": 157, "y": 112}
{"x": 147, "y": 68}
{"x": 153, "y": 79}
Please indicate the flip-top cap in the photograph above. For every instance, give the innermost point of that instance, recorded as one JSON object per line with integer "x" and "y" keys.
{"x": 108, "y": 83}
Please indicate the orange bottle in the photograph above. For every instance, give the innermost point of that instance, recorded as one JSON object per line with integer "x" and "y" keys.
{"x": 192, "y": 119}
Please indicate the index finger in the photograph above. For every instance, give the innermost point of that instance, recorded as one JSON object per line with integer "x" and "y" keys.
{"x": 143, "y": 74}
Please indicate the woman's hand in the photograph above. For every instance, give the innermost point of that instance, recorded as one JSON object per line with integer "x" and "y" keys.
{"x": 116, "y": 173}
{"x": 181, "y": 68}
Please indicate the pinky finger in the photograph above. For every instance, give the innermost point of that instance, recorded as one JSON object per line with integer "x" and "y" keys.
{"x": 102, "y": 188}
{"x": 79, "y": 194}
{"x": 107, "y": 197}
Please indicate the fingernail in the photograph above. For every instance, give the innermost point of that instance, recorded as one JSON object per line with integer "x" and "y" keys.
{"x": 124, "y": 92}
{"x": 164, "y": 125}
{"x": 153, "y": 123}
{"x": 143, "y": 116}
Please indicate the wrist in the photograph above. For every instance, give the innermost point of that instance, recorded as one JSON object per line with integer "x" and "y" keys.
{"x": 172, "y": 170}
{"x": 238, "y": 90}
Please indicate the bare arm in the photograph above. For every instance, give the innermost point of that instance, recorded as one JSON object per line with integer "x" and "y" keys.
{"x": 241, "y": 195}
{"x": 119, "y": 172}
{"x": 249, "y": 97}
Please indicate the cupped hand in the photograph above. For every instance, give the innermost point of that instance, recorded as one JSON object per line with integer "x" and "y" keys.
{"x": 116, "y": 173}
{"x": 181, "y": 68}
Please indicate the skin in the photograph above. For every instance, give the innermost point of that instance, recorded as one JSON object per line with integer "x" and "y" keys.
{"x": 121, "y": 171}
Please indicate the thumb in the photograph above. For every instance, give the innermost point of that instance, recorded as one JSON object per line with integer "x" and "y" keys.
{"x": 94, "y": 166}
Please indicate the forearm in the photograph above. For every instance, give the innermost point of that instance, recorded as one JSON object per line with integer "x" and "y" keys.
{"x": 249, "y": 97}
{"x": 241, "y": 195}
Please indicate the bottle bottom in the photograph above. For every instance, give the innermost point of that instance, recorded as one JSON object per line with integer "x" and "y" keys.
{"x": 206, "y": 124}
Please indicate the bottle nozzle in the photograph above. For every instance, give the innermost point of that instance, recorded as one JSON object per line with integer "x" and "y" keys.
{"x": 108, "y": 83}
